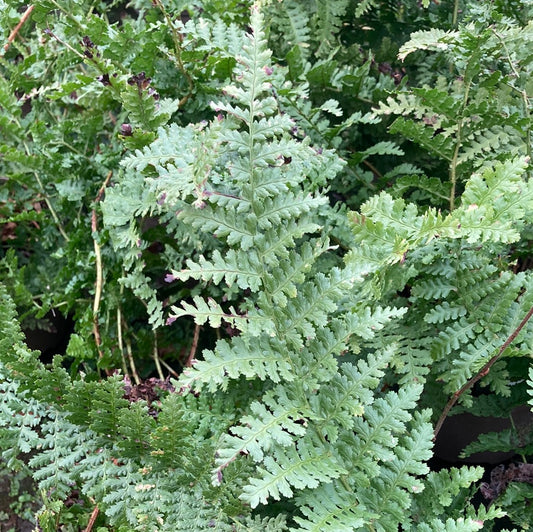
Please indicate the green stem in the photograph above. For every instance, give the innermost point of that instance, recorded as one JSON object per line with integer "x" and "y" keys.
{"x": 455, "y": 13}
{"x": 177, "y": 55}
{"x": 49, "y": 202}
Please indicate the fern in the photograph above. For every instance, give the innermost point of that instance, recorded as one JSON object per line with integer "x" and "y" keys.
{"x": 446, "y": 122}
{"x": 293, "y": 30}
{"x": 441, "y": 491}
{"x": 326, "y": 341}
{"x": 504, "y": 441}
{"x": 329, "y": 21}
{"x": 265, "y": 191}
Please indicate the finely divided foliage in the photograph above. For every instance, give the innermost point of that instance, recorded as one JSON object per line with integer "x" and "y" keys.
{"x": 339, "y": 335}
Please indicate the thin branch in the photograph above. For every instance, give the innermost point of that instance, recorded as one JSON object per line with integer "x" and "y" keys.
{"x": 49, "y": 202}
{"x": 48, "y": 31}
{"x": 156, "y": 358}
{"x": 16, "y": 29}
{"x": 483, "y": 372}
{"x": 169, "y": 369}
{"x": 458, "y": 144}
{"x": 194, "y": 346}
{"x": 123, "y": 326}
{"x": 372, "y": 168}
{"x": 455, "y": 15}
{"x": 132, "y": 363}
{"x": 99, "y": 270}
{"x": 177, "y": 55}
{"x": 100, "y": 67}
{"x": 119, "y": 337}
{"x": 92, "y": 519}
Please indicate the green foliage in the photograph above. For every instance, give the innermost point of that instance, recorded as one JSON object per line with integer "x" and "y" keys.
{"x": 217, "y": 190}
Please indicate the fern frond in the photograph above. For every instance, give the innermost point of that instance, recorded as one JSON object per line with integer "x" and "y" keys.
{"x": 267, "y": 524}
{"x": 163, "y": 150}
{"x": 432, "y": 187}
{"x": 441, "y": 489}
{"x": 331, "y": 508}
{"x": 348, "y": 393}
{"x": 378, "y": 429}
{"x": 21, "y": 434}
{"x": 363, "y": 6}
{"x": 213, "y": 35}
{"x": 275, "y": 243}
{"x": 397, "y": 480}
{"x": 56, "y": 466}
{"x": 233, "y": 268}
{"x": 433, "y": 39}
{"x": 442, "y": 312}
{"x": 273, "y": 421}
{"x": 210, "y": 311}
{"x": 143, "y": 111}
{"x": 496, "y": 139}
{"x": 329, "y": 15}
{"x": 293, "y": 27}
{"x": 451, "y": 525}
{"x": 135, "y": 428}
{"x": 504, "y": 441}
{"x": 118, "y": 499}
{"x": 107, "y": 406}
{"x": 318, "y": 360}
{"x": 222, "y": 224}
{"x": 440, "y": 144}
{"x": 258, "y": 357}
{"x": 299, "y": 466}
{"x": 289, "y": 273}
{"x": 502, "y": 189}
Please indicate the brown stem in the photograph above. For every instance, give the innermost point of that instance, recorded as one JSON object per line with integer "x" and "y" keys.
{"x": 372, "y": 168}
{"x": 194, "y": 346}
{"x": 16, "y": 29}
{"x": 92, "y": 519}
{"x": 169, "y": 369}
{"x": 480, "y": 374}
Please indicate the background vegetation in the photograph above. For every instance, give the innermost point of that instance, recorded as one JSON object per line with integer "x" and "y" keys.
{"x": 287, "y": 240}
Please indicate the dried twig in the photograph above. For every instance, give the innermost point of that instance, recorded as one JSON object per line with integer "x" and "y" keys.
{"x": 92, "y": 519}
{"x": 119, "y": 338}
{"x": 169, "y": 368}
{"x": 480, "y": 374}
{"x": 194, "y": 346}
{"x": 136, "y": 377}
{"x": 16, "y": 29}
{"x": 156, "y": 358}
{"x": 99, "y": 270}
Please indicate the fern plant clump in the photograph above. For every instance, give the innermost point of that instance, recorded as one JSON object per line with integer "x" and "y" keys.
{"x": 288, "y": 291}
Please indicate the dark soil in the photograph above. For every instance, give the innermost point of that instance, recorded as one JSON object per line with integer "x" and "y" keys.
{"x": 9, "y": 521}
